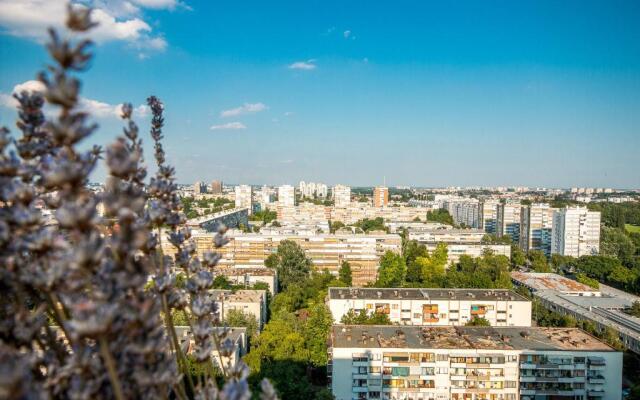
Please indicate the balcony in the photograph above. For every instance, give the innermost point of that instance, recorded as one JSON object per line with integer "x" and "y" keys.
{"x": 596, "y": 379}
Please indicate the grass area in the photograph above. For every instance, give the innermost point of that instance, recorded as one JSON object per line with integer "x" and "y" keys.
{"x": 632, "y": 228}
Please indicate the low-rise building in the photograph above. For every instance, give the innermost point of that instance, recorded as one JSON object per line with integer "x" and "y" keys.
{"x": 459, "y": 242}
{"x": 237, "y": 335}
{"x": 413, "y": 306}
{"x": 471, "y": 363}
{"x": 250, "y": 276}
{"x": 604, "y": 307}
{"x": 251, "y": 302}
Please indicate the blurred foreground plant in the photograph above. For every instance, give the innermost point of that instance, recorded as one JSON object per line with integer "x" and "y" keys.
{"x": 109, "y": 337}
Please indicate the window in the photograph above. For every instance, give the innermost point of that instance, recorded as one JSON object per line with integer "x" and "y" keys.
{"x": 394, "y": 306}
{"x": 512, "y": 358}
{"x": 362, "y": 370}
{"x": 442, "y": 357}
{"x": 442, "y": 370}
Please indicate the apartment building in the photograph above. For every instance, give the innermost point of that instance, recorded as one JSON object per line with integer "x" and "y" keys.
{"x": 312, "y": 189}
{"x": 356, "y": 211}
{"x": 251, "y": 302}
{"x": 471, "y": 363}
{"x": 237, "y": 335}
{"x": 199, "y": 188}
{"x": 464, "y": 211}
{"x": 459, "y": 242}
{"x": 508, "y": 221}
{"x": 266, "y": 197}
{"x": 341, "y": 196}
{"x": 536, "y": 224}
{"x": 413, "y": 306}
{"x": 327, "y": 251}
{"x": 488, "y": 210}
{"x": 304, "y": 213}
{"x": 244, "y": 194}
{"x": 250, "y": 276}
{"x": 576, "y": 232}
{"x": 380, "y": 196}
{"x": 286, "y": 196}
{"x": 216, "y": 187}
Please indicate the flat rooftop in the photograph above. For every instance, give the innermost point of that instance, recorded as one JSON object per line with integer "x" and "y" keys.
{"x": 472, "y": 338}
{"x": 232, "y": 271}
{"x": 549, "y": 281}
{"x": 340, "y": 293}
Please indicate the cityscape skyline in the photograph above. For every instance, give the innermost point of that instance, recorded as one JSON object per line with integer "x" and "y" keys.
{"x": 531, "y": 94}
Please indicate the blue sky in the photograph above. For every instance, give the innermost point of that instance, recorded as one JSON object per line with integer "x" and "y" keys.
{"x": 542, "y": 93}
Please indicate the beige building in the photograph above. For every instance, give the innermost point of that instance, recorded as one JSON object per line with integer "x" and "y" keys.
{"x": 250, "y": 276}
{"x": 327, "y": 251}
{"x": 251, "y": 302}
{"x": 471, "y": 363}
{"x": 508, "y": 221}
{"x": 412, "y": 306}
{"x": 216, "y": 187}
{"x": 380, "y": 196}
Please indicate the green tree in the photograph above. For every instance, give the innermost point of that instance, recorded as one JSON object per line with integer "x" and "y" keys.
{"x": 316, "y": 332}
{"x": 582, "y": 278}
{"x": 616, "y": 243}
{"x": 634, "y": 309}
{"x": 367, "y": 224}
{"x": 335, "y": 226}
{"x": 238, "y": 318}
{"x": 518, "y": 258}
{"x": 441, "y": 215}
{"x": 291, "y": 262}
{"x": 221, "y": 282}
{"x": 538, "y": 261}
{"x": 345, "y": 273}
{"x": 362, "y": 318}
{"x": 478, "y": 321}
{"x": 432, "y": 267}
{"x": 392, "y": 271}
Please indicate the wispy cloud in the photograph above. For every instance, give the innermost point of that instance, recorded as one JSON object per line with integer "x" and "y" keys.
{"x": 304, "y": 65}
{"x": 246, "y": 108}
{"x": 288, "y": 113}
{"x": 118, "y": 20}
{"x": 97, "y": 109}
{"x": 346, "y": 34}
{"x": 229, "y": 126}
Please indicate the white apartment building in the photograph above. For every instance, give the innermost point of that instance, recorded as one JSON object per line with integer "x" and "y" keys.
{"x": 250, "y": 276}
{"x": 437, "y": 307}
{"x": 464, "y": 211}
{"x": 244, "y": 197}
{"x": 356, "y": 211}
{"x": 488, "y": 217}
{"x": 576, "y": 232}
{"x": 341, "y": 195}
{"x": 471, "y": 363}
{"x": 312, "y": 189}
{"x": 459, "y": 242}
{"x": 536, "y": 223}
{"x": 455, "y": 251}
{"x": 266, "y": 197}
{"x": 251, "y": 302}
{"x": 286, "y": 196}
{"x": 508, "y": 221}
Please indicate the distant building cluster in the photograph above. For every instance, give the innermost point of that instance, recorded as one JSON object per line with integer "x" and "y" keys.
{"x": 313, "y": 190}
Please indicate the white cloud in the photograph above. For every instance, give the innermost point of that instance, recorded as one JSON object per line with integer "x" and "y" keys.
{"x": 304, "y": 65}
{"x": 229, "y": 126}
{"x": 288, "y": 113}
{"x": 97, "y": 109}
{"x": 346, "y": 34}
{"x": 246, "y": 108}
{"x": 118, "y": 20}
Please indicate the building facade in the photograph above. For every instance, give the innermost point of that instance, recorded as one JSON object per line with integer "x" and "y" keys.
{"x": 508, "y": 221}
{"x": 286, "y": 196}
{"x": 576, "y": 232}
{"x": 488, "y": 210}
{"x": 244, "y": 194}
{"x": 536, "y": 224}
{"x": 341, "y": 196}
{"x": 440, "y": 307}
{"x": 380, "y": 196}
{"x": 471, "y": 363}
{"x": 199, "y": 188}
{"x": 216, "y": 187}
{"x": 465, "y": 212}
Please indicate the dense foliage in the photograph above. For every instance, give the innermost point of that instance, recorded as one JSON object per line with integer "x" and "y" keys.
{"x": 364, "y": 318}
{"x": 291, "y": 263}
{"x": 367, "y": 225}
{"x": 441, "y": 215}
